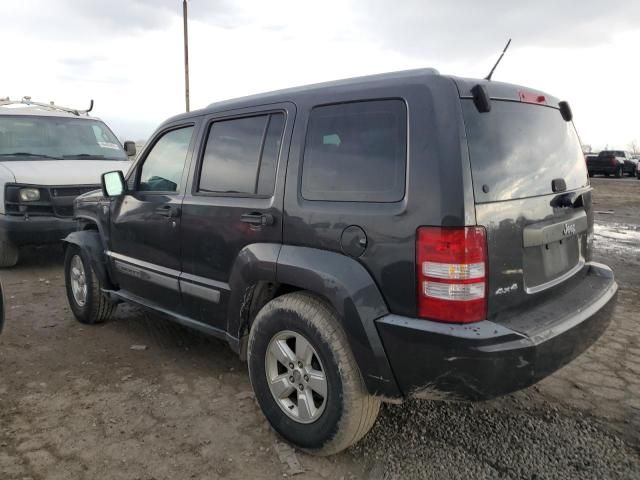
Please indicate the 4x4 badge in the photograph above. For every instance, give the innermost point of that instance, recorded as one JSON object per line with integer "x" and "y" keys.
{"x": 569, "y": 229}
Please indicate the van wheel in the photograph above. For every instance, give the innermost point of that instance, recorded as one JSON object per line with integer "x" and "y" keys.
{"x": 619, "y": 172}
{"x": 305, "y": 377}
{"x": 88, "y": 303}
{"x": 590, "y": 173}
{"x": 9, "y": 254}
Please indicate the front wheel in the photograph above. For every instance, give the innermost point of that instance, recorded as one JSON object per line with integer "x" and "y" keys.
{"x": 9, "y": 254}
{"x": 84, "y": 291}
{"x": 305, "y": 377}
{"x": 619, "y": 172}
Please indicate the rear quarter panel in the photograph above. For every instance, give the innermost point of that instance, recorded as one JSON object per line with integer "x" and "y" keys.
{"x": 437, "y": 191}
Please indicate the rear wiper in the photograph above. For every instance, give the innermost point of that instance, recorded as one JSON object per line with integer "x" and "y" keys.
{"x": 84, "y": 155}
{"x": 28, "y": 154}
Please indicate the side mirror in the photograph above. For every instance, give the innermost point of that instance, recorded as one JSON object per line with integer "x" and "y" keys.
{"x": 130, "y": 148}
{"x": 113, "y": 184}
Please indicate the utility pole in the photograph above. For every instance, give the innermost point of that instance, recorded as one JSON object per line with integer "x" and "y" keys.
{"x": 186, "y": 54}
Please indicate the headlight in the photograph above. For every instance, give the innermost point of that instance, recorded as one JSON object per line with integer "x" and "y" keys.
{"x": 29, "y": 194}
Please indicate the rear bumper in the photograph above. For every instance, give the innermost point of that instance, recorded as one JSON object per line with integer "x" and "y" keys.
{"x": 35, "y": 230}
{"x": 484, "y": 360}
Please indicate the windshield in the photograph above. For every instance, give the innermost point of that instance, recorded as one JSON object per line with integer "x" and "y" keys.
{"x": 36, "y": 138}
{"x": 518, "y": 149}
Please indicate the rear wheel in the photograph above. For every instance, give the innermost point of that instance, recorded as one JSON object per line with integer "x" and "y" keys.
{"x": 305, "y": 377}
{"x": 84, "y": 291}
{"x": 9, "y": 254}
{"x": 590, "y": 173}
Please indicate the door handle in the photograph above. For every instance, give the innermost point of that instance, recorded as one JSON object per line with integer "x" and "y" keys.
{"x": 168, "y": 211}
{"x": 257, "y": 218}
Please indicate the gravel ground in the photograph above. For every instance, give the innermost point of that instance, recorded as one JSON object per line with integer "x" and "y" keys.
{"x": 78, "y": 402}
{"x": 434, "y": 440}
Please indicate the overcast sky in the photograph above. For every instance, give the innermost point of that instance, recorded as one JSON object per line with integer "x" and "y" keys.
{"x": 128, "y": 55}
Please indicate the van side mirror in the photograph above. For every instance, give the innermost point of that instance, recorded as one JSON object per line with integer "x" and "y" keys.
{"x": 130, "y": 148}
{"x": 113, "y": 184}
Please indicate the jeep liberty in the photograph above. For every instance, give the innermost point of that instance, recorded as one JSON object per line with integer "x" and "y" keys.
{"x": 374, "y": 239}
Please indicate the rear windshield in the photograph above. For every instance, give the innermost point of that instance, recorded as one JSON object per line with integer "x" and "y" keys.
{"x": 517, "y": 149}
{"x": 615, "y": 153}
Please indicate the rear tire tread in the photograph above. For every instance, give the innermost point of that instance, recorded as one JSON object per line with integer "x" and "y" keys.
{"x": 360, "y": 408}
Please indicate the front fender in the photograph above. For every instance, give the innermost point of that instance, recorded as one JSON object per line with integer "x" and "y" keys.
{"x": 90, "y": 242}
{"x": 354, "y": 295}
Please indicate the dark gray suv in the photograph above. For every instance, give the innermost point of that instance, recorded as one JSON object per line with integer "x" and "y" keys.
{"x": 374, "y": 239}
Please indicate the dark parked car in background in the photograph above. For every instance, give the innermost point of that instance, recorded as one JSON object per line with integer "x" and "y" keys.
{"x": 612, "y": 162}
{"x": 360, "y": 241}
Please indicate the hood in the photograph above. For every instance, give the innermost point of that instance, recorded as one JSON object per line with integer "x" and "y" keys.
{"x": 63, "y": 172}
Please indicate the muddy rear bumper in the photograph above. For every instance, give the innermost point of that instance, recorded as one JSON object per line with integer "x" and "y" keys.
{"x": 484, "y": 360}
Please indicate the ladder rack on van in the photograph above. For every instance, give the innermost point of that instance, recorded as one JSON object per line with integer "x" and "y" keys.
{"x": 47, "y": 106}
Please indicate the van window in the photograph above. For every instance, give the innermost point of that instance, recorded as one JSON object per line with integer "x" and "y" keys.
{"x": 241, "y": 155}
{"x": 356, "y": 152}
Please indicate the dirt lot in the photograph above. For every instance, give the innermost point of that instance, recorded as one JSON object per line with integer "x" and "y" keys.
{"x": 78, "y": 402}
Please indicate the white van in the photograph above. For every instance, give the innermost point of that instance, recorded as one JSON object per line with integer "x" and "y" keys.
{"x": 48, "y": 156}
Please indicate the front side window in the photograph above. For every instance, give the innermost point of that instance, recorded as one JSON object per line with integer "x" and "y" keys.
{"x": 241, "y": 155}
{"x": 356, "y": 152}
{"x": 162, "y": 169}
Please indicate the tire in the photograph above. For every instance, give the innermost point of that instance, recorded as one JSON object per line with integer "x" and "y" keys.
{"x": 97, "y": 307}
{"x": 9, "y": 254}
{"x": 346, "y": 412}
{"x": 590, "y": 173}
{"x": 619, "y": 172}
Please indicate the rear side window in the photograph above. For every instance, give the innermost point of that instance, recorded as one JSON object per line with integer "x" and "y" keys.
{"x": 356, "y": 152}
{"x": 241, "y": 155}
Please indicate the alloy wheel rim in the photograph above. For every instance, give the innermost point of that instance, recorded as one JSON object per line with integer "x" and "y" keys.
{"x": 296, "y": 377}
{"x": 78, "y": 281}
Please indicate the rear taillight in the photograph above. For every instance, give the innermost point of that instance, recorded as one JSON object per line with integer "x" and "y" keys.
{"x": 451, "y": 266}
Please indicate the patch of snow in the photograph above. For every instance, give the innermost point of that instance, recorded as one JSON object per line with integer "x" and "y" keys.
{"x": 618, "y": 237}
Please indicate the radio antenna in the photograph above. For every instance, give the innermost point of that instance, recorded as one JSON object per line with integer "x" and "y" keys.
{"x": 488, "y": 77}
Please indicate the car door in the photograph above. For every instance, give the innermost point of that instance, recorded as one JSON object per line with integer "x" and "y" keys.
{"x": 235, "y": 200}
{"x": 145, "y": 222}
